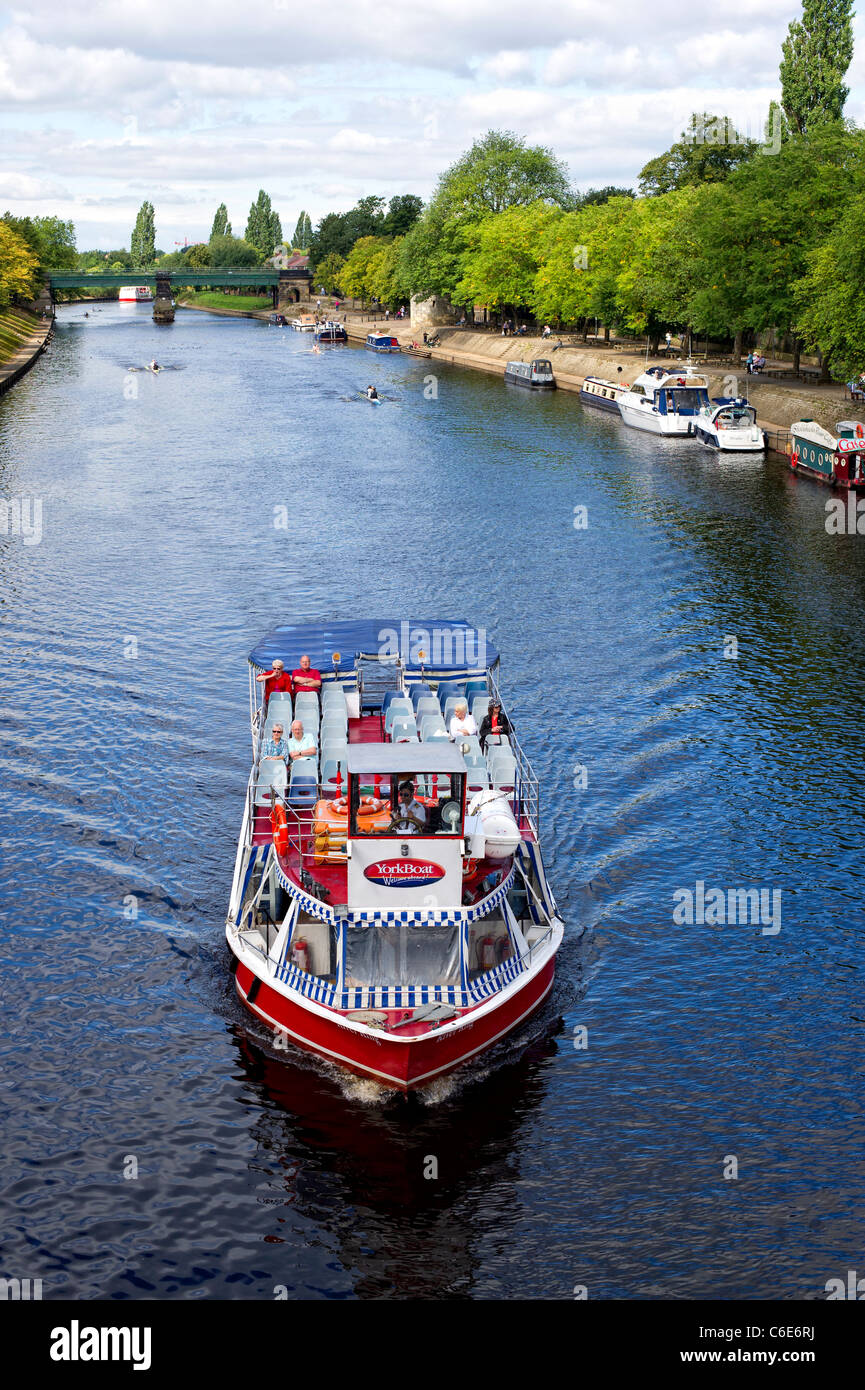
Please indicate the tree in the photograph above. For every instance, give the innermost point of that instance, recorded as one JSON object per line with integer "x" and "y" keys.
{"x": 501, "y": 259}
{"x": 302, "y": 233}
{"x": 603, "y": 195}
{"x": 357, "y": 277}
{"x": 816, "y": 55}
{"x": 18, "y": 265}
{"x": 232, "y": 251}
{"x": 263, "y": 227}
{"x": 221, "y": 225}
{"x": 403, "y": 212}
{"x": 707, "y": 152}
{"x": 580, "y": 258}
{"x": 50, "y": 239}
{"x": 498, "y": 172}
{"x": 328, "y": 271}
{"x": 337, "y": 232}
{"x": 199, "y": 256}
{"x": 143, "y": 242}
{"x": 431, "y": 255}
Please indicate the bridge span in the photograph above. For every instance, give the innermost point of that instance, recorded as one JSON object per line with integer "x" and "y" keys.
{"x": 285, "y": 286}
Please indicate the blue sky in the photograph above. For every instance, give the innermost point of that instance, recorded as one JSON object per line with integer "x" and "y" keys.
{"x": 190, "y": 107}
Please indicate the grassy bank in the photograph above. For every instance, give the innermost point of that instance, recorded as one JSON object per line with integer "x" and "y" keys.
{"x": 212, "y": 299}
{"x": 15, "y": 328}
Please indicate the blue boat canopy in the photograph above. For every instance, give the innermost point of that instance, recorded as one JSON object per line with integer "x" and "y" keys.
{"x": 438, "y": 646}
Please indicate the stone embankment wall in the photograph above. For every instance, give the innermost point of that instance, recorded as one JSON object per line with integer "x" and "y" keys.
{"x": 32, "y": 346}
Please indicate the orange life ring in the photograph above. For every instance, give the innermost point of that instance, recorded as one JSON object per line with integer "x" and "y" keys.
{"x": 367, "y": 806}
{"x": 340, "y": 805}
{"x": 280, "y": 829}
{"x": 794, "y": 460}
{"x": 859, "y": 431}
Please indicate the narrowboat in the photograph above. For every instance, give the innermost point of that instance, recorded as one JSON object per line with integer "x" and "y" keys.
{"x": 837, "y": 459}
{"x": 595, "y": 390}
{"x": 665, "y": 401}
{"x": 331, "y": 333}
{"x": 277, "y": 320}
{"x": 382, "y": 342}
{"x": 730, "y": 424}
{"x": 135, "y": 294}
{"x": 389, "y": 910}
{"x": 537, "y": 375}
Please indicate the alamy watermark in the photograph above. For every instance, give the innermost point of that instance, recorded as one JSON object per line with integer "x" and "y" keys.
{"x": 21, "y": 516}
{"x": 719, "y": 907}
{"x": 720, "y": 130}
{"x": 434, "y": 647}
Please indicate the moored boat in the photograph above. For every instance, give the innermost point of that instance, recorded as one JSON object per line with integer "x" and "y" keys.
{"x": 838, "y": 459}
{"x": 595, "y": 390}
{"x": 277, "y": 320}
{"x": 390, "y": 910}
{"x": 382, "y": 342}
{"x": 304, "y": 324}
{"x": 331, "y": 333}
{"x": 665, "y": 400}
{"x": 730, "y": 424}
{"x": 135, "y": 294}
{"x": 537, "y": 375}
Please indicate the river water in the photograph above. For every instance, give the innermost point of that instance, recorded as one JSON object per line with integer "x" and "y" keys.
{"x": 696, "y": 648}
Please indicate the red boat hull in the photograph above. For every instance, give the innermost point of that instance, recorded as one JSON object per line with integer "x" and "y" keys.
{"x": 404, "y": 1065}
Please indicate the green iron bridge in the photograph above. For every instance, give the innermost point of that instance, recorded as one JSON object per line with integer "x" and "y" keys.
{"x": 285, "y": 286}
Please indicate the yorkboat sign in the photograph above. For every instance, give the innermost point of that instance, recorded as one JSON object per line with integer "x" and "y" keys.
{"x": 408, "y": 873}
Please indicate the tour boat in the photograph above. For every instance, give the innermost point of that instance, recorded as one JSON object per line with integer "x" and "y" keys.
{"x": 730, "y": 423}
{"x": 331, "y": 333}
{"x": 135, "y": 294}
{"x": 595, "y": 390}
{"x": 390, "y": 911}
{"x": 664, "y": 400}
{"x": 831, "y": 458}
{"x": 538, "y": 375}
{"x": 382, "y": 342}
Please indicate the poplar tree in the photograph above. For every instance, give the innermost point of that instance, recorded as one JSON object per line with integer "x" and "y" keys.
{"x": 302, "y": 238}
{"x": 221, "y": 225}
{"x": 816, "y": 55}
{"x": 263, "y": 227}
{"x": 142, "y": 244}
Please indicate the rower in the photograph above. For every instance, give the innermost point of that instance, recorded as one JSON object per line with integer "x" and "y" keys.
{"x": 372, "y": 394}
{"x": 154, "y": 365}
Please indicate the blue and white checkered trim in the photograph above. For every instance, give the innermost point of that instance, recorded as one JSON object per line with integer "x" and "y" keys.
{"x": 401, "y": 996}
{"x": 495, "y": 980}
{"x": 412, "y": 917}
{"x": 308, "y": 985}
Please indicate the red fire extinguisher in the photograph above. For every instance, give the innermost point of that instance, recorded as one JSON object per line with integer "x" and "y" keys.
{"x": 300, "y": 954}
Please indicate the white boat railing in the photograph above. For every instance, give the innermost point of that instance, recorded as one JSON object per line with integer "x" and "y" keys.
{"x": 527, "y": 790}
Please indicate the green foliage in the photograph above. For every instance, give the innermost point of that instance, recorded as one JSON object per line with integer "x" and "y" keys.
{"x": 221, "y": 225}
{"x": 603, "y": 195}
{"x": 50, "y": 239}
{"x": 302, "y": 238}
{"x": 816, "y": 55}
{"x": 502, "y": 256}
{"x": 102, "y": 260}
{"x": 18, "y": 265}
{"x": 431, "y": 255}
{"x": 373, "y": 269}
{"x": 707, "y": 152}
{"x": 142, "y": 245}
{"x": 403, "y": 212}
{"x": 338, "y": 231}
{"x": 232, "y": 251}
{"x": 328, "y": 273}
{"x": 263, "y": 227}
{"x": 580, "y": 258}
{"x": 830, "y": 296}
{"x": 498, "y": 172}
{"x": 200, "y": 255}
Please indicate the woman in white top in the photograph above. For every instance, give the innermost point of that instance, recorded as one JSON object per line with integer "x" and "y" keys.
{"x": 462, "y": 723}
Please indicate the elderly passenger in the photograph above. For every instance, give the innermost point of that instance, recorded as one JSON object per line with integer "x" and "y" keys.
{"x": 300, "y": 745}
{"x": 462, "y": 723}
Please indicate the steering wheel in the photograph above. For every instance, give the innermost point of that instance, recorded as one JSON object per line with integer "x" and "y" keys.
{"x": 398, "y": 821}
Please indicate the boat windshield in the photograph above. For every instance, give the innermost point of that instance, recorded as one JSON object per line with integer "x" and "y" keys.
{"x": 402, "y": 955}
{"x": 419, "y": 803}
{"x": 681, "y": 400}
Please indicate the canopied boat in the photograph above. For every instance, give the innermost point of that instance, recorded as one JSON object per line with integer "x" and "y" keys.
{"x": 595, "y": 390}
{"x": 538, "y": 375}
{"x": 665, "y": 400}
{"x": 331, "y": 332}
{"x": 304, "y": 324}
{"x": 135, "y": 294}
{"x": 390, "y": 909}
{"x": 837, "y": 458}
{"x": 382, "y": 342}
{"x": 730, "y": 423}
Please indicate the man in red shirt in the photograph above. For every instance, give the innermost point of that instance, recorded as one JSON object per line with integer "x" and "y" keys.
{"x": 276, "y": 679}
{"x": 306, "y": 677}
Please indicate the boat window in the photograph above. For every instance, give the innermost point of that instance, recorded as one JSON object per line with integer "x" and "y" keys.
{"x": 681, "y": 400}
{"x": 402, "y": 955}
{"x": 411, "y": 803}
